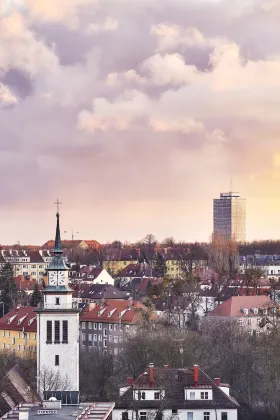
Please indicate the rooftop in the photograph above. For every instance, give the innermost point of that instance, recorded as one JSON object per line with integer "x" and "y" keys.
{"x": 23, "y": 317}
{"x": 234, "y": 306}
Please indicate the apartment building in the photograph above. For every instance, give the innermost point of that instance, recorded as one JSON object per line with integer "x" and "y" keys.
{"x": 170, "y": 393}
{"x": 18, "y": 331}
{"x": 105, "y": 326}
{"x": 257, "y": 314}
{"x": 28, "y": 263}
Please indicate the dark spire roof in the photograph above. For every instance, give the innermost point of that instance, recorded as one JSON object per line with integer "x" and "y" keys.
{"x": 57, "y": 245}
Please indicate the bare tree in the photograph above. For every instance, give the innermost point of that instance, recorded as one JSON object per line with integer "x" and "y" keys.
{"x": 50, "y": 380}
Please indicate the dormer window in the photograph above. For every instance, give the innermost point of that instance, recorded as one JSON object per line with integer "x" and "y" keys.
{"x": 141, "y": 395}
{"x": 157, "y": 395}
{"x": 204, "y": 395}
{"x": 245, "y": 311}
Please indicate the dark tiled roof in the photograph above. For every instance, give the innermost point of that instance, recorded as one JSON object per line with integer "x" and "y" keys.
{"x": 96, "y": 291}
{"x": 135, "y": 270}
{"x": 174, "y": 381}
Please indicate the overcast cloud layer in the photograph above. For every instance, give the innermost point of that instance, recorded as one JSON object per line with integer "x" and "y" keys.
{"x": 136, "y": 113}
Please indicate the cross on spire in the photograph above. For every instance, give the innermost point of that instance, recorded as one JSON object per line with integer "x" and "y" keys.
{"x": 57, "y": 202}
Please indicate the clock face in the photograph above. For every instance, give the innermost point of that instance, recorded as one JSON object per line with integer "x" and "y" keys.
{"x": 57, "y": 278}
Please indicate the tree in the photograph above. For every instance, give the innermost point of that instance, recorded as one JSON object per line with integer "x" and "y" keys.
{"x": 50, "y": 380}
{"x": 6, "y": 273}
{"x": 159, "y": 269}
{"x": 9, "y": 295}
{"x": 36, "y": 296}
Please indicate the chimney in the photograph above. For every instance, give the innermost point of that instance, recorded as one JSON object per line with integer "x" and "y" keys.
{"x": 23, "y": 413}
{"x": 130, "y": 380}
{"x": 217, "y": 381}
{"x": 151, "y": 375}
{"x": 195, "y": 375}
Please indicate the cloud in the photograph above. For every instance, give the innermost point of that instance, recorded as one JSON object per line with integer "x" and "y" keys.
{"x": 6, "y": 96}
{"x": 138, "y": 112}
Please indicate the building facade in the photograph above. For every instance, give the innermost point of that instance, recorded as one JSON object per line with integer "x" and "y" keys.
{"x": 181, "y": 394}
{"x": 58, "y": 334}
{"x": 18, "y": 332}
{"x": 229, "y": 217}
{"x": 106, "y": 325}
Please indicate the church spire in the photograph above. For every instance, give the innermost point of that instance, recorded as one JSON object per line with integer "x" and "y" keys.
{"x": 57, "y": 245}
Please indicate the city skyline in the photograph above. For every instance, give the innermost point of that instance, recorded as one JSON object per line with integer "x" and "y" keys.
{"x": 137, "y": 116}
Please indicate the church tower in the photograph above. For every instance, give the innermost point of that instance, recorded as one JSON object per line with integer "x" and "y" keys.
{"x": 58, "y": 333}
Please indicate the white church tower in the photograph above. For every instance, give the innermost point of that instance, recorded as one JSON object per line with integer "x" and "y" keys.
{"x": 58, "y": 334}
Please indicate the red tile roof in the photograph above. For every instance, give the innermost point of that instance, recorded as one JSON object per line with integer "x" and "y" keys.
{"x": 25, "y": 285}
{"x": 17, "y": 319}
{"x": 234, "y": 306}
{"x": 123, "y": 311}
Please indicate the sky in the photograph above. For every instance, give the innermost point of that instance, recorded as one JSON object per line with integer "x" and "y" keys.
{"x": 136, "y": 114}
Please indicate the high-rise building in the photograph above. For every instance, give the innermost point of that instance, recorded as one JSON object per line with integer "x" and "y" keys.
{"x": 229, "y": 216}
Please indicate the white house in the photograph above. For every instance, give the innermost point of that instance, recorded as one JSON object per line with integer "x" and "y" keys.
{"x": 179, "y": 394}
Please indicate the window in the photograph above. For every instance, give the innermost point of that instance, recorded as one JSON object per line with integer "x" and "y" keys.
{"x": 18, "y": 334}
{"x": 192, "y": 395}
{"x": 143, "y": 415}
{"x": 224, "y": 416}
{"x": 157, "y": 395}
{"x": 104, "y": 343}
{"x": 258, "y": 321}
{"x": 49, "y": 331}
{"x": 33, "y": 266}
{"x": 94, "y": 337}
{"x": 57, "y": 301}
{"x": 23, "y": 348}
{"x": 258, "y": 333}
{"x": 9, "y": 346}
{"x": 18, "y": 347}
{"x": 90, "y": 325}
{"x": 100, "y": 326}
{"x": 35, "y": 336}
{"x": 174, "y": 411}
{"x": 116, "y": 327}
{"x": 83, "y": 325}
{"x": 115, "y": 338}
{"x": 28, "y": 336}
{"x": 83, "y": 337}
{"x": 250, "y": 332}
{"x": 125, "y": 415}
{"x": 3, "y": 335}
{"x": 240, "y": 322}
{"x": 204, "y": 395}
{"x": 190, "y": 416}
{"x": 127, "y": 328}
{"x": 95, "y": 326}
{"x": 9, "y": 334}
{"x": 110, "y": 338}
{"x": 56, "y": 360}
{"x": 99, "y": 337}
{"x": 56, "y": 331}
{"x": 110, "y": 327}
{"x": 206, "y": 415}
{"x": 64, "y": 331}
{"x": 105, "y": 332}
{"x": 13, "y": 340}
{"x": 249, "y": 321}
{"x": 3, "y": 345}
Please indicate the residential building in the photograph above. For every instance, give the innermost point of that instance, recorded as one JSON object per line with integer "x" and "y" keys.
{"x": 170, "y": 393}
{"x": 134, "y": 271}
{"x": 18, "y": 331}
{"x": 90, "y": 274}
{"x": 115, "y": 259}
{"x": 58, "y": 332}
{"x": 106, "y": 325}
{"x": 229, "y": 217}
{"x": 28, "y": 263}
{"x": 84, "y": 293}
{"x": 73, "y": 244}
{"x": 26, "y": 285}
{"x": 256, "y": 314}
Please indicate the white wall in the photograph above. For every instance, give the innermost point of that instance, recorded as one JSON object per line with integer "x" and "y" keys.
{"x": 182, "y": 414}
{"x": 104, "y": 278}
{"x": 68, "y": 353}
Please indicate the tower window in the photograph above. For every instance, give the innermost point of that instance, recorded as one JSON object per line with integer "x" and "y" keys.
{"x": 56, "y": 331}
{"x": 64, "y": 331}
{"x": 56, "y": 360}
{"x": 57, "y": 301}
{"x": 49, "y": 331}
